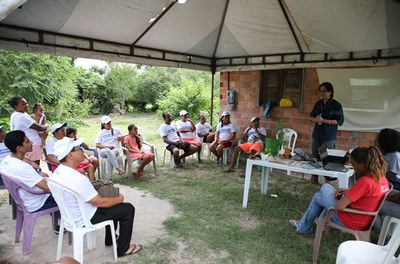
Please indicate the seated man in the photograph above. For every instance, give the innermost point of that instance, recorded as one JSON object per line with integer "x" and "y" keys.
{"x": 15, "y": 167}
{"x": 186, "y": 129}
{"x": 99, "y": 208}
{"x": 169, "y": 133}
{"x": 254, "y": 135}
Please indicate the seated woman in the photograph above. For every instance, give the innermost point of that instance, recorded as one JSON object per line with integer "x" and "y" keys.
{"x": 133, "y": 143}
{"x": 254, "y": 136}
{"x": 108, "y": 142}
{"x": 366, "y": 194}
{"x": 226, "y": 133}
{"x": 90, "y": 163}
{"x": 388, "y": 141}
{"x": 204, "y": 130}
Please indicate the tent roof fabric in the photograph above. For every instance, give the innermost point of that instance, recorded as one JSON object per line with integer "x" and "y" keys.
{"x": 214, "y": 35}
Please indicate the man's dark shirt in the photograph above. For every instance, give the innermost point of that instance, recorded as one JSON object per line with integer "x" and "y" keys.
{"x": 332, "y": 110}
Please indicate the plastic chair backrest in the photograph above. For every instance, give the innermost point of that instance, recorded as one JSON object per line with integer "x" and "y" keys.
{"x": 364, "y": 235}
{"x": 142, "y": 134}
{"x": 13, "y": 187}
{"x": 290, "y": 137}
{"x": 351, "y": 251}
{"x": 59, "y": 191}
{"x": 25, "y": 219}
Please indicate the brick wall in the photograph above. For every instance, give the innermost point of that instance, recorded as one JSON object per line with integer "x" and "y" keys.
{"x": 246, "y": 85}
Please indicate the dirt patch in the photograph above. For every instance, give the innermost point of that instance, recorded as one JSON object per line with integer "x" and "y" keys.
{"x": 151, "y": 212}
{"x": 248, "y": 222}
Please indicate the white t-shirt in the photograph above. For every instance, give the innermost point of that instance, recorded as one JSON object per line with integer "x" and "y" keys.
{"x": 202, "y": 129}
{"x": 4, "y": 151}
{"x": 79, "y": 183}
{"x": 252, "y": 134}
{"x": 393, "y": 161}
{"x": 22, "y": 121}
{"x": 169, "y": 131}
{"x": 185, "y": 126}
{"x": 24, "y": 172}
{"x": 107, "y": 138}
{"x": 50, "y": 145}
{"x": 225, "y": 132}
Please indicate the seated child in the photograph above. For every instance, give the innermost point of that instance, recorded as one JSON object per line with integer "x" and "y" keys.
{"x": 90, "y": 163}
{"x": 133, "y": 143}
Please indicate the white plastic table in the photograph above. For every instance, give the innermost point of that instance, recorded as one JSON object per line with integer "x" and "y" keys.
{"x": 343, "y": 177}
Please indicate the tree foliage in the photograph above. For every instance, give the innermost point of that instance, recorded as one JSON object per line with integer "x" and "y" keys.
{"x": 39, "y": 78}
{"x": 70, "y": 92}
{"x": 153, "y": 83}
{"x": 193, "y": 96}
{"x": 120, "y": 81}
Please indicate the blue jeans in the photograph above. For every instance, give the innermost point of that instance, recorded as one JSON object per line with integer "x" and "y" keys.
{"x": 322, "y": 200}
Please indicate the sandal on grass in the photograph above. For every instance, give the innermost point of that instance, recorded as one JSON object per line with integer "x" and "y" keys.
{"x": 133, "y": 248}
{"x": 229, "y": 170}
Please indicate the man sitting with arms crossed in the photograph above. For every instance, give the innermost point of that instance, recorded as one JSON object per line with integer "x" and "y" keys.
{"x": 99, "y": 208}
{"x": 173, "y": 141}
{"x": 18, "y": 169}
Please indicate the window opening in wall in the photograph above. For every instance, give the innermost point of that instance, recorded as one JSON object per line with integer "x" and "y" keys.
{"x": 278, "y": 84}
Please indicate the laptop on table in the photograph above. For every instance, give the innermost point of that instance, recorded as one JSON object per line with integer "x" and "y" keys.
{"x": 334, "y": 160}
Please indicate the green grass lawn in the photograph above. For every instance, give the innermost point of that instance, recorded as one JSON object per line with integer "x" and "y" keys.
{"x": 212, "y": 226}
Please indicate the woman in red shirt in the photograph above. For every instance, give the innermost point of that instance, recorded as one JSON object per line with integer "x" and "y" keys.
{"x": 133, "y": 143}
{"x": 366, "y": 194}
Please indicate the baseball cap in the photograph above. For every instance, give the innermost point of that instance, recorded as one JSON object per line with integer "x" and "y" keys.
{"x": 182, "y": 112}
{"x": 64, "y": 146}
{"x": 254, "y": 119}
{"x": 57, "y": 126}
{"x": 105, "y": 119}
{"x": 225, "y": 114}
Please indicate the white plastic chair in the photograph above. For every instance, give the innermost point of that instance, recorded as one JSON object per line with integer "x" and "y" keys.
{"x": 388, "y": 227}
{"x": 59, "y": 191}
{"x": 103, "y": 165}
{"x": 361, "y": 252}
{"x": 171, "y": 157}
{"x": 132, "y": 163}
{"x": 290, "y": 137}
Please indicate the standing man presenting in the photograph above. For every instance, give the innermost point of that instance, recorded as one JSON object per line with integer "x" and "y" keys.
{"x": 327, "y": 116}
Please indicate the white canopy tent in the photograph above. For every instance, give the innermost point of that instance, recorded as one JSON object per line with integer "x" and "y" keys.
{"x": 212, "y": 35}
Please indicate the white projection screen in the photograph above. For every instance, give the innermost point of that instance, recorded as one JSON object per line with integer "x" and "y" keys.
{"x": 370, "y": 96}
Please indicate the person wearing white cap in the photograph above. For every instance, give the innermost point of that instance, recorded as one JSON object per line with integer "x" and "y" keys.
{"x": 224, "y": 136}
{"x": 186, "y": 130}
{"x": 254, "y": 136}
{"x": 97, "y": 207}
{"x": 20, "y": 120}
{"x": 108, "y": 142}
{"x": 173, "y": 142}
{"x": 58, "y": 131}
{"x": 15, "y": 167}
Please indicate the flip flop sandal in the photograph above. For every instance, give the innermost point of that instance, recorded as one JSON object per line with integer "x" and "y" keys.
{"x": 229, "y": 170}
{"x": 136, "y": 248}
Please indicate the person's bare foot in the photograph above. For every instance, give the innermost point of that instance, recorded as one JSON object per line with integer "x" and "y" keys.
{"x": 120, "y": 171}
